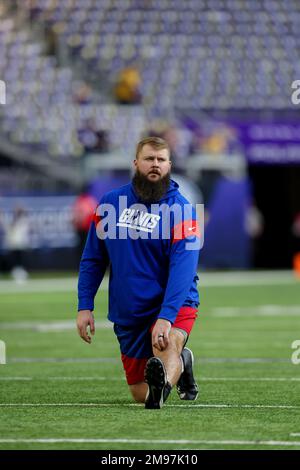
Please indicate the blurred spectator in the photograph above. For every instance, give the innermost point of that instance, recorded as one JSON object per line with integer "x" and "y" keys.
{"x": 296, "y": 225}
{"x": 17, "y": 243}
{"x": 220, "y": 140}
{"x": 254, "y": 222}
{"x": 102, "y": 141}
{"x": 82, "y": 93}
{"x": 93, "y": 139}
{"x": 254, "y": 226}
{"x": 213, "y": 138}
{"x": 51, "y": 41}
{"x": 82, "y": 216}
{"x": 127, "y": 89}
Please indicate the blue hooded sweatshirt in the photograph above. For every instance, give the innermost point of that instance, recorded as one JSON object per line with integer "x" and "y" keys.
{"x": 152, "y": 252}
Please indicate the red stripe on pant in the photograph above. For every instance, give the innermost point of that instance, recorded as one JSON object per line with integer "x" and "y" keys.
{"x": 134, "y": 369}
{"x": 185, "y": 319}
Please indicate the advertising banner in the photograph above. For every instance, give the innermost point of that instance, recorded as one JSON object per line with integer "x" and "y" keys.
{"x": 49, "y": 218}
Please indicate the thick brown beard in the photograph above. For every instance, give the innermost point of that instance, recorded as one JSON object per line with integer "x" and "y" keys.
{"x": 150, "y": 191}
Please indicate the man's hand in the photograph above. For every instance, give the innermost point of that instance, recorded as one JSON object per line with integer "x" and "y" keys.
{"x": 160, "y": 334}
{"x": 85, "y": 318}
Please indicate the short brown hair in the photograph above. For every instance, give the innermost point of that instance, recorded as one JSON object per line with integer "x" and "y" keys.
{"x": 156, "y": 142}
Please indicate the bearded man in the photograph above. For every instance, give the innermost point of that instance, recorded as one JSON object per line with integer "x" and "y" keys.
{"x": 150, "y": 242}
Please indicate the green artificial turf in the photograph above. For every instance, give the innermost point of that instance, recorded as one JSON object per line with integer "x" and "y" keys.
{"x": 241, "y": 343}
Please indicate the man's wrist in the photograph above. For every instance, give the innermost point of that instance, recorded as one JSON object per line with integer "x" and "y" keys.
{"x": 165, "y": 319}
{"x": 85, "y": 303}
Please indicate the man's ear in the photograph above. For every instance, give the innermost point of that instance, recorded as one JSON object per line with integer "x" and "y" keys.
{"x": 135, "y": 162}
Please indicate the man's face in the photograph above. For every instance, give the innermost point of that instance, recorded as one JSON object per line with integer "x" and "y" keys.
{"x": 153, "y": 164}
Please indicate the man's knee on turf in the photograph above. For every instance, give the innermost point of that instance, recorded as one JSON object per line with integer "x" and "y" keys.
{"x": 139, "y": 391}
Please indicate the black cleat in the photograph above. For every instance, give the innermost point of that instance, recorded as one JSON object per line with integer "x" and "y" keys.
{"x": 187, "y": 388}
{"x": 159, "y": 387}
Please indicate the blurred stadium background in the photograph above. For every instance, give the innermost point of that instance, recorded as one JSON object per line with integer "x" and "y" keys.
{"x": 84, "y": 81}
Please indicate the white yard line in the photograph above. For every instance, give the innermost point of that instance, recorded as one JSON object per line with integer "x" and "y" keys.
{"x": 152, "y": 441}
{"x": 234, "y": 278}
{"x": 222, "y": 312}
{"x": 62, "y": 360}
{"x": 199, "y": 379}
{"x": 96, "y": 360}
{"x": 39, "y": 285}
{"x": 68, "y": 284}
{"x": 247, "y": 278}
{"x": 15, "y": 379}
{"x": 258, "y": 310}
{"x": 50, "y": 326}
{"x": 249, "y": 379}
{"x": 105, "y": 405}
